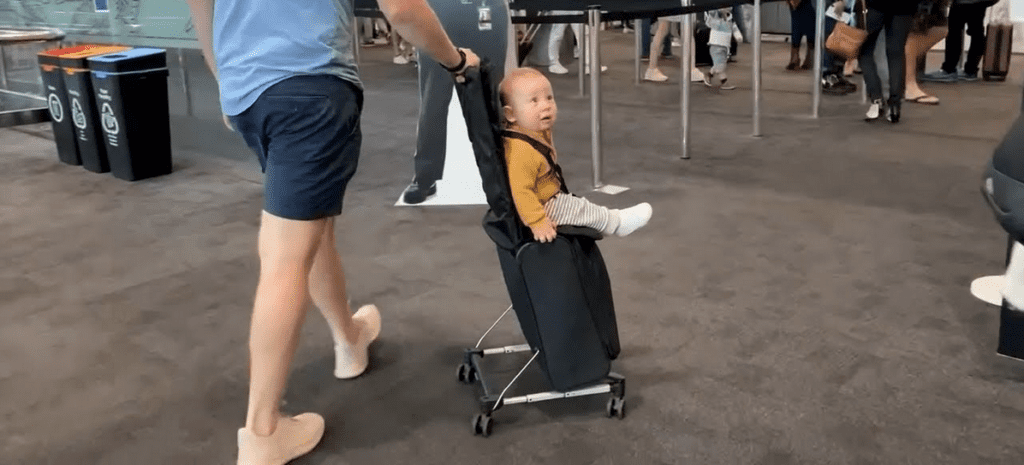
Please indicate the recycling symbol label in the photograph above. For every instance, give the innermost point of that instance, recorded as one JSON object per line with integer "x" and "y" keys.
{"x": 77, "y": 114}
{"x": 56, "y": 109}
{"x": 109, "y": 120}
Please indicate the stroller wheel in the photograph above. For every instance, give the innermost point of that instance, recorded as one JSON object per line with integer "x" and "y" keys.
{"x": 616, "y": 407}
{"x": 466, "y": 374}
{"x": 482, "y": 425}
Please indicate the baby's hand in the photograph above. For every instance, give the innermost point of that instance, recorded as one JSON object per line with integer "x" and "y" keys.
{"x": 545, "y": 231}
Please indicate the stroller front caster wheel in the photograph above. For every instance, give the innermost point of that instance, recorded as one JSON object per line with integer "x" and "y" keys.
{"x": 482, "y": 425}
{"x": 616, "y": 408}
{"x": 466, "y": 374}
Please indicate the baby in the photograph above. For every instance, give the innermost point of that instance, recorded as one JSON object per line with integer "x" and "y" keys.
{"x": 722, "y": 28}
{"x": 538, "y": 189}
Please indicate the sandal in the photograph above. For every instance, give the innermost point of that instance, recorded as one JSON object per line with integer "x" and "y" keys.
{"x": 924, "y": 99}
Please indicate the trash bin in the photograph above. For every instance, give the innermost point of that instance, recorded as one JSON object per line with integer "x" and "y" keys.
{"x": 82, "y": 109}
{"x": 57, "y": 101}
{"x": 131, "y": 91}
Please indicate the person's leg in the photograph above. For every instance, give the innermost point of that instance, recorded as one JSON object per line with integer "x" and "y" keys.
{"x": 737, "y": 17}
{"x": 568, "y": 209}
{"x": 954, "y": 39}
{"x": 897, "y": 29}
{"x": 653, "y": 73}
{"x": 577, "y": 32}
{"x": 352, "y": 334}
{"x": 666, "y": 43}
{"x": 645, "y": 37}
{"x": 328, "y": 288}
{"x": 809, "y": 20}
{"x": 436, "y": 88}
{"x": 286, "y": 250}
{"x": 975, "y": 21}
{"x": 828, "y": 60}
{"x": 555, "y": 47}
{"x": 917, "y": 46}
{"x": 873, "y": 26}
{"x": 795, "y": 36}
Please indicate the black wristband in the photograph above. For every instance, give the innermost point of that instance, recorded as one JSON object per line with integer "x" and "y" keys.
{"x": 460, "y": 66}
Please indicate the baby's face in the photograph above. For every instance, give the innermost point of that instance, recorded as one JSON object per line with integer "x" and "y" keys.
{"x": 532, "y": 104}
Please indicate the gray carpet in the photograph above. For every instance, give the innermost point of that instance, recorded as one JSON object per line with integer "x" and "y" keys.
{"x": 801, "y": 298}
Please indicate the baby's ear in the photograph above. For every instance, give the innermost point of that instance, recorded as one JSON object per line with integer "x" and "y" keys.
{"x": 508, "y": 114}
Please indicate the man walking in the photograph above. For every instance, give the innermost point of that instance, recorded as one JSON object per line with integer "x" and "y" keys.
{"x": 290, "y": 86}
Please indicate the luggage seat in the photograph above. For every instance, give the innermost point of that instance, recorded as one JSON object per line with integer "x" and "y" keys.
{"x": 560, "y": 291}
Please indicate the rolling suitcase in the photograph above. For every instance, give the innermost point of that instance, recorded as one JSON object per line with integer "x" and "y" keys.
{"x": 563, "y": 299}
{"x": 998, "y": 47}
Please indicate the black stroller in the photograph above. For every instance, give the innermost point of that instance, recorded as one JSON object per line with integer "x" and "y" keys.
{"x": 560, "y": 290}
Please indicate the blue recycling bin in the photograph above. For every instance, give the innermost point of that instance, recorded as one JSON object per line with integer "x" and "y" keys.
{"x": 131, "y": 101}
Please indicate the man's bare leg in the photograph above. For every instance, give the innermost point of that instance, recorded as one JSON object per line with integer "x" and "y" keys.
{"x": 286, "y": 250}
{"x": 328, "y": 289}
{"x": 352, "y": 334}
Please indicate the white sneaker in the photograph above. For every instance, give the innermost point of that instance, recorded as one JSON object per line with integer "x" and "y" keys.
{"x": 400, "y": 60}
{"x": 557, "y": 68}
{"x": 633, "y": 218}
{"x": 293, "y": 437}
{"x": 603, "y": 69}
{"x": 655, "y": 74}
{"x": 351, "y": 361}
{"x": 875, "y": 110}
{"x": 696, "y": 75}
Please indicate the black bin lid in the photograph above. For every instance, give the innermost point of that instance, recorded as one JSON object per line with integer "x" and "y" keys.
{"x": 136, "y": 59}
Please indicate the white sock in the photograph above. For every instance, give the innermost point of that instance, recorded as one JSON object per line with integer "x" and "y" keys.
{"x": 614, "y": 217}
{"x": 633, "y": 218}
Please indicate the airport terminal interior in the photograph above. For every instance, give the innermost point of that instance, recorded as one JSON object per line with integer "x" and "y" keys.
{"x": 800, "y": 297}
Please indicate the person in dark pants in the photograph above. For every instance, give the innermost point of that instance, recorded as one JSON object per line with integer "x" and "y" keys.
{"x": 461, "y": 21}
{"x": 896, "y": 17}
{"x": 802, "y": 24}
{"x": 740, "y": 20}
{"x": 832, "y": 80}
{"x": 969, "y": 13}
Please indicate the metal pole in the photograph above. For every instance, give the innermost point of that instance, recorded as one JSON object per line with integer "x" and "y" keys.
{"x": 594, "y": 18}
{"x": 686, "y": 64}
{"x": 819, "y": 42}
{"x": 184, "y": 83}
{"x": 637, "y": 23}
{"x": 757, "y": 68}
{"x": 584, "y": 49}
{"x": 3, "y": 68}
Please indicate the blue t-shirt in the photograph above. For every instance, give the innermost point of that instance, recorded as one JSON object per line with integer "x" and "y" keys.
{"x": 259, "y": 43}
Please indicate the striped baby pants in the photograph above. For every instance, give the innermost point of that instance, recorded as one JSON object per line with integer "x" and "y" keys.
{"x": 570, "y": 210}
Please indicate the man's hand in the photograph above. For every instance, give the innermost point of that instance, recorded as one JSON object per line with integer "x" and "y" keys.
{"x": 545, "y": 231}
{"x": 227, "y": 122}
{"x": 472, "y": 61}
{"x": 839, "y": 7}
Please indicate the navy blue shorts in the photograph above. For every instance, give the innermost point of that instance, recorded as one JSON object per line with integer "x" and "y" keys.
{"x": 305, "y": 131}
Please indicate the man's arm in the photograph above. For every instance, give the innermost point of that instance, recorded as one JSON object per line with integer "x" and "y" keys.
{"x": 202, "y": 21}
{"x": 417, "y": 23}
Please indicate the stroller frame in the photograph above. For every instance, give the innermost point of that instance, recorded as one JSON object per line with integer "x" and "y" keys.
{"x": 469, "y": 372}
